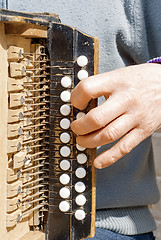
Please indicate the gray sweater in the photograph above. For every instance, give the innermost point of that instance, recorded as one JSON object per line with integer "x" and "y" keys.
{"x": 129, "y": 33}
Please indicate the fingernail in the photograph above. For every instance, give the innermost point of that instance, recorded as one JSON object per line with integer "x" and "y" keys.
{"x": 98, "y": 165}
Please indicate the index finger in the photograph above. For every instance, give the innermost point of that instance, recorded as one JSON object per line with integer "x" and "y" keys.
{"x": 94, "y": 87}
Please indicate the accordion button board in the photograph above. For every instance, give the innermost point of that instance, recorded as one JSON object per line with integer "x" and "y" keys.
{"x": 47, "y": 180}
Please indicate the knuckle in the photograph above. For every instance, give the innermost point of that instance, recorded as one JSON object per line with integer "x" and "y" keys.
{"x": 113, "y": 158}
{"x": 130, "y": 94}
{"x": 123, "y": 76}
{"x": 96, "y": 118}
{"x": 131, "y": 99}
{"x": 125, "y": 148}
{"x": 111, "y": 133}
{"x": 148, "y": 130}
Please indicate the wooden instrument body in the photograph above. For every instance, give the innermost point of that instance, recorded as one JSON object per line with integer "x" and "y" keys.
{"x": 30, "y": 145}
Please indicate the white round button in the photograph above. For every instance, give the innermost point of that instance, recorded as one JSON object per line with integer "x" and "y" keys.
{"x": 65, "y": 110}
{"x": 65, "y": 137}
{"x": 80, "y": 148}
{"x": 80, "y": 172}
{"x": 65, "y": 123}
{"x": 80, "y": 200}
{"x": 64, "y": 165}
{"x": 80, "y": 115}
{"x": 80, "y": 187}
{"x": 80, "y": 214}
{"x": 64, "y": 192}
{"x": 82, "y": 74}
{"x": 64, "y": 179}
{"x": 65, "y": 96}
{"x": 82, "y": 61}
{"x": 64, "y": 206}
{"x": 66, "y": 82}
{"x": 65, "y": 151}
{"x": 82, "y": 158}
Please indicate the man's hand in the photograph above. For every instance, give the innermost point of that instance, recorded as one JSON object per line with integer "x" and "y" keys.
{"x": 132, "y": 111}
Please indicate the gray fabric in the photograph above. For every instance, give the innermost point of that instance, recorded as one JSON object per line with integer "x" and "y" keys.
{"x": 122, "y": 220}
{"x": 129, "y": 33}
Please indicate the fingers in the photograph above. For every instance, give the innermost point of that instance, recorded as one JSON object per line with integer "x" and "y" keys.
{"x": 124, "y": 146}
{"x": 110, "y": 133}
{"x": 100, "y": 116}
{"x": 94, "y": 87}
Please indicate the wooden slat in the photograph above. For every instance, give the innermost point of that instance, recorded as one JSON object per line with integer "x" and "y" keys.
{"x": 26, "y": 30}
